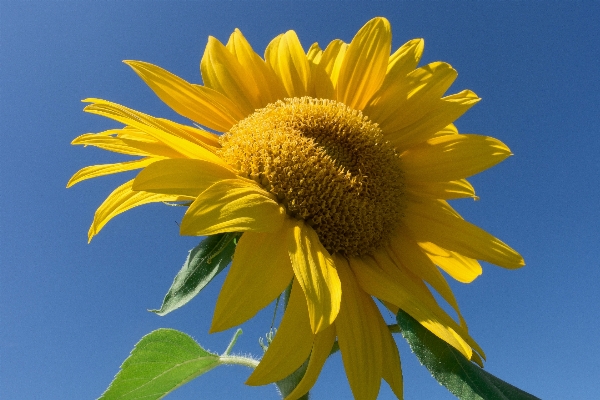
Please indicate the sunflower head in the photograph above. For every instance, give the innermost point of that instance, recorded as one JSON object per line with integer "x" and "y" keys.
{"x": 327, "y": 164}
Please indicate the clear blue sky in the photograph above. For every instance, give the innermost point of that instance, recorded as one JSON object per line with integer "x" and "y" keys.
{"x": 71, "y": 312}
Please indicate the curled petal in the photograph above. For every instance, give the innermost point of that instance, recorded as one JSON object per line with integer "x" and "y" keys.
{"x": 232, "y": 205}
{"x": 320, "y": 351}
{"x": 316, "y": 273}
{"x": 447, "y": 190}
{"x": 95, "y": 171}
{"x": 463, "y": 269}
{"x": 435, "y": 221}
{"x": 290, "y": 347}
{"x": 122, "y": 199}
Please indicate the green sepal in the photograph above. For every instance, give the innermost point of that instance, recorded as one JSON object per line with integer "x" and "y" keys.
{"x": 164, "y": 360}
{"x": 203, "y": 263}
{"x": 450, "y": 368}
{"x": 289, "y": 383}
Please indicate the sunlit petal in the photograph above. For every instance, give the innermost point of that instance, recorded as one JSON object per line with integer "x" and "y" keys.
{"x": 122, "y": 199}
{"x": 435, "y": 221}
{"x": 365, "y": 63}
{"x": 452, "y": 157}
{"x": 260, "y": 271}
{"x": 359, "y": 336}
{"x": 95, "y": 171}
{"x": 232, "y": 205}
{"x": 321, "y": 349}
{"x": 287, "y": 58}
{"x": 198, "y": 103}
{"x": 182, "y": 176}
{"x": 315, "y": 271}
{"x": 290, "y": 347}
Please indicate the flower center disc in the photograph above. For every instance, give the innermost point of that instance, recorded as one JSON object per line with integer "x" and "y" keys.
{"x": 327, "y": 164}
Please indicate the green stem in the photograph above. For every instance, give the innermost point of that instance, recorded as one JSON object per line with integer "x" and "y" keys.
{"x": 232, "y": 343}
{"x": 239, "y": 360}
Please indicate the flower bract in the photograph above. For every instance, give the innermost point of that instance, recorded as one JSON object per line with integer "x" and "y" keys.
{"x": 337, "y": 165}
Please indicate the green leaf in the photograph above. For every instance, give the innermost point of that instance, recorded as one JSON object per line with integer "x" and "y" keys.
{"x": 203, "y": 263}
{"x": 450, "y": 368}
{"x": 165, "y": 360}
{"x": 161, "y": 362}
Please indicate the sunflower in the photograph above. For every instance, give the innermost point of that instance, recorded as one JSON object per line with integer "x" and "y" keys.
{"x": 336, "y": 165}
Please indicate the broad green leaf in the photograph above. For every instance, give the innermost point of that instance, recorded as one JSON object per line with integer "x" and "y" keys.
{"x": 203, "y": 263}
{"x": 450, "y": 368}
{"x": 165, "y": 360}
{"x": 161, "y": 362}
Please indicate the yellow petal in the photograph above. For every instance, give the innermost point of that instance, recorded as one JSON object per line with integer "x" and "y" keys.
{"x": 122, "y": 199}
{"x": 386, "y": 282}
{"x": 405, "y": 59}
{"x": 270, "y": 88}
{"x": 423, "y": 296}
{"x": 290, "y": 347}
{"x": 327, "y": 70}
{"x": 442, "y": 190}
{"x": 408, "y": 255}
{"x": 162, "y": 130}
{"x": 391, "y": 368}
{"x": 181, "y": 176}
{"x": 314, "y": 53}
{"x": 357, "y": 327}
{"x": 400, "y": 64}
{"x": 321, "y": 349}
{"x": 193, "y": 134}
{"x": 435, "y": 221}
{"x": 463, "y": 269}
{"x": 447, "y": 110}
{"x": 409, "y": 98}
{"x": 287, "y": 58}
{"x": 95, "y": 171}
{"x": 365, "y": 63}
{"x": 232, "y": 205}
{"x": 200, "y": 104}
{"x": 452, "y": 157}
{"x": 105, "y": 141}
{"x": 317, "y": 275}
{"x": 476, "y": 358}
{"x": 447, "y": 130}
{"x": 222, "y": 72}
{"x": 129, "y": 132}
{"x": 260, "y": 271}
{"x": 197, "y": 135}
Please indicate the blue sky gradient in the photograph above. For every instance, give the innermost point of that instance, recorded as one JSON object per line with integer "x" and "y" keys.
{"x": 71, "y": 312}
